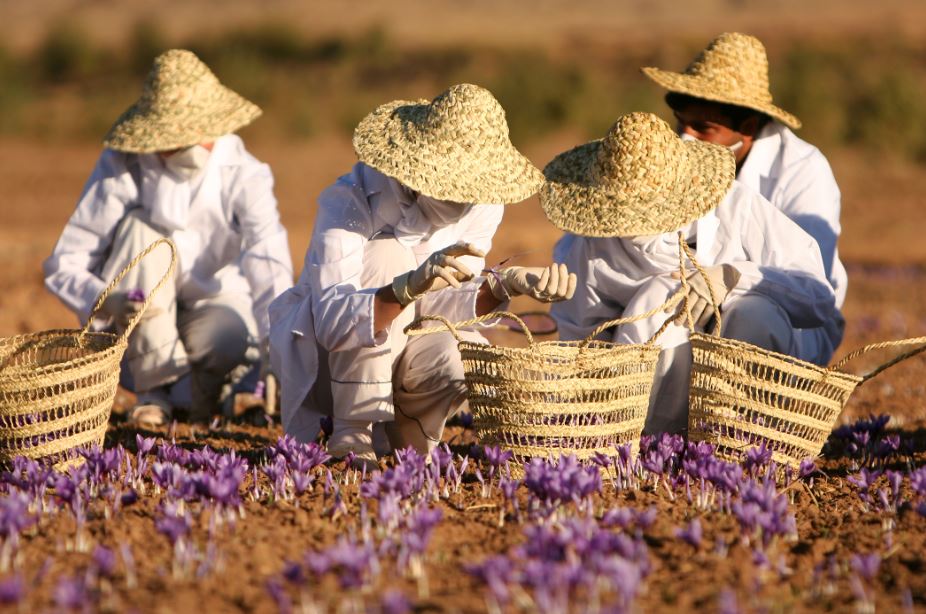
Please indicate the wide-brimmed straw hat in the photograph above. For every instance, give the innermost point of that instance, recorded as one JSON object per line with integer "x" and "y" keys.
{"x": 182, "y": 104}
{"x": 454, "y": 148}
{"x": 733, "y": 69}
{"x": 641, "y": 179}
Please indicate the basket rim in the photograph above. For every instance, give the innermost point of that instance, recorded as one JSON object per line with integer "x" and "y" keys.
{"x": 708, "y": 340}
{"x": 25, "y": 372}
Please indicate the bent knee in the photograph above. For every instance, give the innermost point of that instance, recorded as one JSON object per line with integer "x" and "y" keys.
{"x": 758, "y": 320}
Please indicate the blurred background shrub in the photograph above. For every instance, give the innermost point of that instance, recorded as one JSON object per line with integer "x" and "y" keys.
{"x": 864, "y": 93}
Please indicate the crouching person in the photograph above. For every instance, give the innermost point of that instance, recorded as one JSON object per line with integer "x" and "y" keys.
{"x": 171, "y": 167}
{"x": 403, "y": 234}
{"x": 622, "y": 201}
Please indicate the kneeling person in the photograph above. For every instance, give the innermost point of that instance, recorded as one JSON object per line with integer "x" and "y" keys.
{"x": 403, "y": 234}
{"x": 622, "y": 201}
{"x": 172, "y": 168}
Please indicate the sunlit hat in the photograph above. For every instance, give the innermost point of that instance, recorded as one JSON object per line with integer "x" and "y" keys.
{"x": 733, "y": 69}
{"x": 182, "y": 104}
{"x": 454, "y": 148}
{"x": 641, "y": 179}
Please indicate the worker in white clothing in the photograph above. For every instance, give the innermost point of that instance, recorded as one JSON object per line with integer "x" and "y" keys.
{"x": 404, "y": 234}
{"x": 723, "y": 97}
{"x": 171, "y": 167}
{"x": 622, "y": 201}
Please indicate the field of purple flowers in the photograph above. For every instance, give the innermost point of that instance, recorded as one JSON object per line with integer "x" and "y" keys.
{"x": 238, "y": 518}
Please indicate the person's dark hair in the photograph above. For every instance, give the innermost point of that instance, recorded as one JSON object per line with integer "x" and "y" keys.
{"x": 737, "y": 114}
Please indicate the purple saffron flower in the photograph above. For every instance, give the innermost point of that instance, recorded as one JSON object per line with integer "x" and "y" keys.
{"x": 70, "y": 593}
{"x": 279, "y": 596}
{"x": 129, "y": 497}
{"x": 144, "y": 444}
{"x": 394, "y": 602}
{"x": 137, "y": 295}
{"x": 496, "y": 457}
{"x": 104, "y": 560}
{"x": 807, "y": 468}
{"x": 866, "y": 565}
{"x": 173, "y": 524}
{"x": 12, "y": 589}
{"x": 692, "y": 534}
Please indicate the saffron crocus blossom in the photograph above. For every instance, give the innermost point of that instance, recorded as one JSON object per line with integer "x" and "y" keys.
{"x": 692, "y": 534}
{"x": 353, "y": 563}
{"x": 12, "y": 590}
{"x": 70, "y": 593}
{"x": 104, "y": 561}
{"x": 866, "y": 565}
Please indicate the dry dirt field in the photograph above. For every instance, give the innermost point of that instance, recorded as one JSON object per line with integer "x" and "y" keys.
{"x": 242, "y": 567}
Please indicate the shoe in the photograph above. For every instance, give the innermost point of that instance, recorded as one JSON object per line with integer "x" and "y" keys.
{"x": 353, "y": 437}
{"x": 153, "y": 409}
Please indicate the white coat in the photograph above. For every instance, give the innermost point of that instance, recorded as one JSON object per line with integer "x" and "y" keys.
{"x": 328, "y": 306}
{"x": 775, "y": 257}
{"x": 232, "y": 242}
{"x": 795, "y": 177}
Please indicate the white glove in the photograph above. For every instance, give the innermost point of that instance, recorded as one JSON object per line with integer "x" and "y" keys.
{"x": 440, "y": 270}
{"x": 545, "y": 284}
{"x": 122, "y": 309}
{"x": 723, "y": 278}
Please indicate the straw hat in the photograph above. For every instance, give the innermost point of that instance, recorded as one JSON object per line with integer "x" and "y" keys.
{"x": 641, "y": 179}
{"x": 454, "y": 148}
{"x": 733, "y": 70}
{"x": 182, "y": 104}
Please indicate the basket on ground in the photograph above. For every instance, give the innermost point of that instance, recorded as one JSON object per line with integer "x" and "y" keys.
{"x": 57, "y": 387}
{"x": 556, "y": 397}
{"x": 743, "y": 396}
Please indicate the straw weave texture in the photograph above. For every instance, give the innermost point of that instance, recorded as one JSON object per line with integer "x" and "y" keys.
{"x": 557, "y": 397}
{"x": 454, "y": 148}
{"x": 733, "y": 69}
{"x": 744, "y": 396}
{"x": 182, "y": 104}
{"x": 57, "y": 387}
{"x": 641, "y": 179}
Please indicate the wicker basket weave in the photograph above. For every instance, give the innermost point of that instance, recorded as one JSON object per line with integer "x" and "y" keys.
{"x": 57, "y": 386}
{"x": 743, "y": 396}
{"x": 557, "y": 397}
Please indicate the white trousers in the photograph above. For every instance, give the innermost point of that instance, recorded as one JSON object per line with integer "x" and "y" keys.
{"x": 409, "y": 386}
{"x": 753, "y": 318}
{"x": 206, "y": 340}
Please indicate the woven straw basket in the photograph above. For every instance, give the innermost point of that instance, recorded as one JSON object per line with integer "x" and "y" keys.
{"x": 57, "y": 387}
{"x": 743, "y": 396}
{"x": 556, "y": 397}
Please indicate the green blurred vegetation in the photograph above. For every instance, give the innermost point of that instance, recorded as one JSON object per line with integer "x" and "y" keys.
{"x": 850, "y": 92}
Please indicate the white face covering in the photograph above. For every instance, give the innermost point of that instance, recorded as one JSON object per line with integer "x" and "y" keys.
{"x": 187, "y": 163}
{"x": 442, "y": 213}
{"x": 735, "y": 147}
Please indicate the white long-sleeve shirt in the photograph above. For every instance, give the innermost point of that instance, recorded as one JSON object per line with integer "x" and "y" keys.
{"x": 796, "y": 178}
{"x": 328, "y": 307}
{"x": 774, "y": 256}
{"x": 233, "y": 241}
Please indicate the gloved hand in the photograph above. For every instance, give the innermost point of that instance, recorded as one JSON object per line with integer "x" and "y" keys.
{"x": 545, "y": 284}
{"x": 440, "y": 270}
{"x": 121, "y": 308}
{"x": 723, "y": 278}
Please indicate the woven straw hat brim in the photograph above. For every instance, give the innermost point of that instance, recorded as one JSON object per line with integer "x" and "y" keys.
{"x": 144, "y": 130}
{"x": 390, "y": 140}
{"x": 575, "y": 205}
{"x": 699, "y": 87}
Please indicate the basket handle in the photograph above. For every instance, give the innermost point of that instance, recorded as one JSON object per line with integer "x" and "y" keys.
{"x": 920, "y": 341}
{"x": 673, "y": 300}
{"x": 683, "y": 252}
{"x": 413, "y": 329}
{"x": 112, "y": 285}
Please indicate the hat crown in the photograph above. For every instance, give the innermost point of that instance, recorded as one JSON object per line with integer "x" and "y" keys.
{"x": 178, "y": 78}
{"x": 737, "y": 64}
{"x": 640, "y": 157}
{"x": 468, "y": 115}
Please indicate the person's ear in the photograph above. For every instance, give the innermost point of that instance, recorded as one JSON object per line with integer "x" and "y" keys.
{"x": 749, "y": 126}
